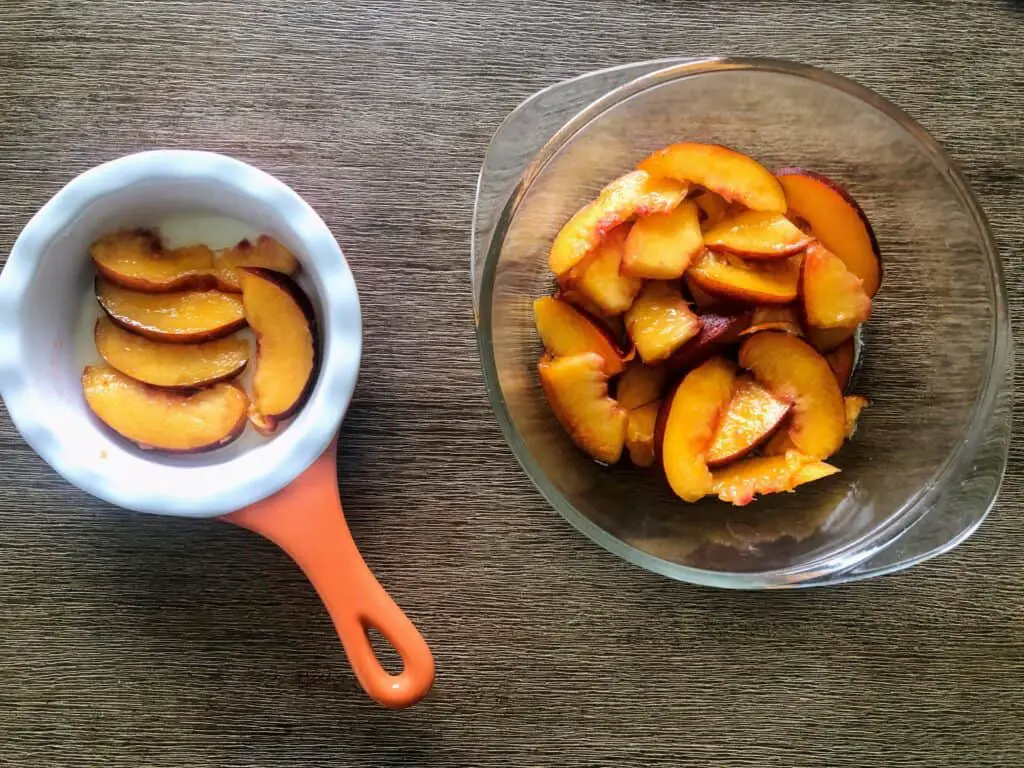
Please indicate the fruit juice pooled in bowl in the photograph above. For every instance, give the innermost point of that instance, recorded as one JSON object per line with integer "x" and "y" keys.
{"x": 706, "y": 320}
{"x": 171, "y": 363}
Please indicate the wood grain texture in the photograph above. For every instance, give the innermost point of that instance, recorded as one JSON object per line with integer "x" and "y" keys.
{"x": 128, "y": 640}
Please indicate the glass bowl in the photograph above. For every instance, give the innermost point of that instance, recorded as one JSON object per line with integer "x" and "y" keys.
{"x": 925, "y": 465}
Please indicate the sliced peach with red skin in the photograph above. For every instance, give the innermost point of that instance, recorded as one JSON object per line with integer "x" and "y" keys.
{"x": 717, "y": 332}
{"x": 634, "y": 194}
{"x": 757, "y": 235}
{"x": 183, "y": 317}
{"x": 713, "y": 208}
{"x": 599, "y": 277}
{"x": 282, "y": 318}
{"x": 774, "y": 281}
{"x": 136, "y": 260}
{"x": 576, "y": 388}
{"x": 662, "y": 245}
{"x": 170, "y": 365}
{"x": 728, "y": 173}
{"x": 751, "y": 417}
{"x": 836, "y": 220}
{"x": 566, "y": 331}
{"x": 795, "y": 372}
{"x": 660, "y": 322}
{"x": 742, "y": 482}
{"x": 693, "y": 413}
{"x": 775, "y": 318}
{"x": 833, "y": 297}
{"x": 266, "y": 252}
{"x": 641, "y": 384}
{"x": 161, "y": 419}
{"x": 640, "y": 429}
{"x": 853, "y": 405}
{"x": 841, "y": 360}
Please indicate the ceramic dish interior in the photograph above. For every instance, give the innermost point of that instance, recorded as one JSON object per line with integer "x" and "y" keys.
{"x": 47, "y": 310}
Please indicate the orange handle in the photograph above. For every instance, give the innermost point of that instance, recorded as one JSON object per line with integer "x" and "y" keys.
{"x": 306, "y": 520}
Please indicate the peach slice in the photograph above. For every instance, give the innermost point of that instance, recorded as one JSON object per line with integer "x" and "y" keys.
{"x": 136, "y": 260}
{"x": 599, "y": 277}
{"x": 661, "y": 246}
{"x": 164, "y": 420}
{"x": 779, "y": 443}
{"x": 179, "y": 318}
{"x": 640, "y": 428}
{"x": 566, "y": 331}
{"x": 708, "y": 302}
{"x": 833, "y": 296}
{"x": 829, "y": 339}
{"x": 713, "y": 209}
{"x": 741, "y": 482}
{"x": 774, "y": 281}
{"x": 794, "y": 372}
{"x": 785, "y": 318}
{"x": 757, "y": 235}
{"x": 814, "y": 470}
{"x": 693, "y": 413}
{"x": 735, "y": 209}
{"x": 716, "y": 333}
{"x": 282, "y": 318}
{"x": 733, "y": 175}
{"x": 841, "y": 360}
{"x": 641, "y": 384}
{"x": 170, "y": 365}
{"x": 615, "y": 325}
{"x": 266, "y": 252}
{"x": 836, "y": 220}
{"x": 751, "y": 417}
{"x": 853, "y": 405}
{"x": 577, "y": 390}
{"x": 634, "y": 194}
{"x": 705, "y": 301}
{"x": 660, "y": 321}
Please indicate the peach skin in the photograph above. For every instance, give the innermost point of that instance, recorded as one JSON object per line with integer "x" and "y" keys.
{"x": 307, "y": 521}
{"x": 775, "y": 318}
{"x": 757, "y": 235}
{"x": 833, "y": 297}
{"x": 566, "y": 331}
{"x": 836, "y": 220}
{"x": 794, "y": 372}
{"x": 634, "y": 194}
{"x": 728, "y": 173}
{"x": 771, "y": 281}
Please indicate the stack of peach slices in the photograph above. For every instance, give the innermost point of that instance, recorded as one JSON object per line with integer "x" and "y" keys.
{"x": 173, "y": 342}
{"x": 706, "y": 319}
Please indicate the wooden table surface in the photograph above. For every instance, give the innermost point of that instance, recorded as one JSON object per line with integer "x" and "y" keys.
{"x": 129, "y": 640}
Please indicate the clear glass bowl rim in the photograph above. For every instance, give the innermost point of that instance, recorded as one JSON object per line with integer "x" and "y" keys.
{"x": 902, "y": 520}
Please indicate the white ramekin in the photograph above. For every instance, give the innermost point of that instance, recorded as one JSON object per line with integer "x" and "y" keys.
{"x": 44, "y": 286}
